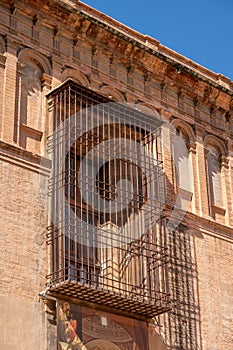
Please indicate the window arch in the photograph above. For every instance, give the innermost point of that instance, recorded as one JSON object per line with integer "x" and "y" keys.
{"x": 215, "y": 150}
{"x": 181, "y": 156}
{"x": 31, "y": 88}
{"x": 40, "y": 59}
{"x": 110, "y": 92}
{"x": 214, "y": 178}
{"x": 33, "y": 78}
{"x": 182, "y": 137}
{"x": 75, "y": 75}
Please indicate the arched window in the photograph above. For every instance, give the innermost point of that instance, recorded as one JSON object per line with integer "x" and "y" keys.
{"x": 33, "y": 81}
{"x": 215, "y": 153}
{"x": 30, "y": 111}
{"x": 214, "y": 178}
{"x": 183, "y": 171}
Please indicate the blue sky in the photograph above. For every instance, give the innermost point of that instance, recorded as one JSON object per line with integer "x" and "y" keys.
{"x": 201, "y": 30}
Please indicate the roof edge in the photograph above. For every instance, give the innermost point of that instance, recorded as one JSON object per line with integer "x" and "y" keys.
{"x": 153, "y": 46}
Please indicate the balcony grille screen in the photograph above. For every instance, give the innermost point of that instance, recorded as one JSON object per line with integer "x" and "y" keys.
{"x": 107, "y": 237}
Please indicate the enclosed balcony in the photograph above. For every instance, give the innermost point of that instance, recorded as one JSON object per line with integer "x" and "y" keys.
{"x": 107, "y": 236}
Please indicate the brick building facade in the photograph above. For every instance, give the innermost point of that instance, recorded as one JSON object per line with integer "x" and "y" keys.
{"x": 169, "y": 284}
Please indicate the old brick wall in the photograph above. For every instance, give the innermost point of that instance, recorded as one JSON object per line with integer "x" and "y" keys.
{"x": 23, "y": 263}
{"x": 215, "y": 268}
{"x": 62, "y": 43}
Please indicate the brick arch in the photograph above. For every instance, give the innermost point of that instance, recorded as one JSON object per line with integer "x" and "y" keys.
{"x": 145, "y": 105}
{"x": 75, "y": 75}
{"x": 38, "y": 58}
{"x": 109, "y": 91}
{"x": 186, "y": 128}
{"x": 146, "y": 108}
{"x": 211, "y": 140}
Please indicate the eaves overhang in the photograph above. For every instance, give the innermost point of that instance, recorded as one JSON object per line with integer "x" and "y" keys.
{"x": 179, "y": 65}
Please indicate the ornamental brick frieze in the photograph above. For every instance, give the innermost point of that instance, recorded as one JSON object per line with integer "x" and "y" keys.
{"x": 128, "y": 51}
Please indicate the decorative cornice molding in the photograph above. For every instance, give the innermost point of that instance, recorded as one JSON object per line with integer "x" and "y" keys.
{"x": 24, "y": 158}
{"x": 158, "y": 53}
{"x": 204, "y": 225}
{"x": 72, "y": 11}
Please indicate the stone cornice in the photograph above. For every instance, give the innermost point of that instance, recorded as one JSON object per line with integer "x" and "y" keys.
{"x": 74, "y": 11}
{"x": 24, "y": 158}
{"x": 202, "y": 225}
{"x": 154, "y": 47}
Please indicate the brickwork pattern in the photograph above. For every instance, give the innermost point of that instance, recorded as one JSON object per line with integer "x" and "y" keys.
{"x": 70, "y": 39}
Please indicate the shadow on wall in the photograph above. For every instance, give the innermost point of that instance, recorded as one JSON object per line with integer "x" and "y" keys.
{"x": 181, "y": 326}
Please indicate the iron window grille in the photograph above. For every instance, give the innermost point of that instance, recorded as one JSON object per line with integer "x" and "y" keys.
{"x": 114, "y": 256}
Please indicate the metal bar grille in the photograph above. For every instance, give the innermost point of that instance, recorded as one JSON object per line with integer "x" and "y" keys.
{"x": 107, "y": 194}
